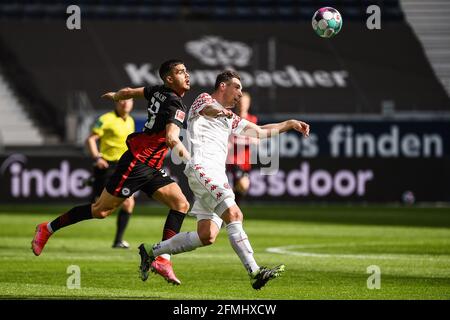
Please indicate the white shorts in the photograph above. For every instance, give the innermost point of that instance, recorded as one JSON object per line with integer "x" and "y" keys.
{"x": 213, "y": 194}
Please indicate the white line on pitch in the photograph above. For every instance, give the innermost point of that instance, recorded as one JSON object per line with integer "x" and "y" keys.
{"x": 290, "y": 250}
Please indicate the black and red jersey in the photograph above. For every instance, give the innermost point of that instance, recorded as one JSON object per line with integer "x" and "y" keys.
{"x": 164, "y": 106}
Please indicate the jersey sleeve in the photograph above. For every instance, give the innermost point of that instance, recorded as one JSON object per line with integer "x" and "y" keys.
{"x": 148, "y": 92}
{"x": 98, "y": 127}
{"x": 201, "y": 102}
{"x": 238, "y": 124}
{"x": 177, "y": 113}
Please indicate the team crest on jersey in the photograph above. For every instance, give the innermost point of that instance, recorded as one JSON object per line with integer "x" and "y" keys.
{"x": 180, "y": 115}
{"x": 126, "y": 191}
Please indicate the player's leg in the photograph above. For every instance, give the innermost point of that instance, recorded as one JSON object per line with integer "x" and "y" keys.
{"x": 185, "y": 241}
{"x": 101, "y": 177}
{"x": 207, "y": 231}
{"x": 122, "y": 221}
{"x": 117, "y": 189}
{"x": 241, "y": 187}
{"x": 233, "y": 218}
{"x": 163, "y": 189}
{"x": 198, "y": 188}
{"x": 202, "y": 209}
{"x": 172, "y": 196}
{"x": 103, "y": 207}
{"x": 208, "y": 227}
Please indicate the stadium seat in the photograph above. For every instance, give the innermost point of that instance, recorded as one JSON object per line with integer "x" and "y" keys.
{"x": 287, "y": 13}
{"x": 198, "y": 9}
{"x": 221, "y": 12}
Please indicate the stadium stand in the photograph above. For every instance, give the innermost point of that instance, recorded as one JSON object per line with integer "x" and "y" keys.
{"x": 264, "y": 10}
{"x": 429, "y": 19}
{"x": 323, "y": 77}
{"x": 15, "y": 126}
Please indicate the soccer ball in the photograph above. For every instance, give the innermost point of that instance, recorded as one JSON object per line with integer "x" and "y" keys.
{"x": 408, "y": 198}
{"x": 327, "y": 22}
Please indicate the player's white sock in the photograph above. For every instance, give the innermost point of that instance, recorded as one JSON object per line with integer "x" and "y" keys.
{"x": 49, "y": 228}
{"x": 241, "y": 245}
{"x": 181, "y": 242}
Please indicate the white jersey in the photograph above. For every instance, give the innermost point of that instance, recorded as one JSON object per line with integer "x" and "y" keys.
{"x": 209, "y": 136}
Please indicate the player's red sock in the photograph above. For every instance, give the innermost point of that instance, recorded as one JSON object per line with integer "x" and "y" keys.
{"x": 74, "y": 215}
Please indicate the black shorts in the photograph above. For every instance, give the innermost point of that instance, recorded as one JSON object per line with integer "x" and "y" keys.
{"x": 132, "y": 175}
{"x": 101, "y": 177}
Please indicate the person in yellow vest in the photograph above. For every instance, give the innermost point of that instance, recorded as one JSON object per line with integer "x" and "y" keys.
{"x": 111, "y": 130}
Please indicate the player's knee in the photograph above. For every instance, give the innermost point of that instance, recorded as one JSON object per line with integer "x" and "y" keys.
{"x": 101, "y": 214}
{"x": 243, "y": 185}
{"x": 128, "y": 205}
{"x": 207, "y": 238}
{"x": 100, "y": 211}
{"x": 181, "y": 205}
{"x": 234, "y": 214}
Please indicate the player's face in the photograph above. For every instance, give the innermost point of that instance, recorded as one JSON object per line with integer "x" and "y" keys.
{"x": 179, "y": 78}
{"x": 232, "y": 93}
{"x": 124, "y": 106}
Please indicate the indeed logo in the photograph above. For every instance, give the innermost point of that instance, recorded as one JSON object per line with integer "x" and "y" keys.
{"x": 55, "y": 182}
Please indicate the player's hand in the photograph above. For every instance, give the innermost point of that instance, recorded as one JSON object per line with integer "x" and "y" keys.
{"x": 101, "y": 163}
{"x": 225, "y": 113}
{"x": 301, "y": 126}
{"x": 109, "y": 95}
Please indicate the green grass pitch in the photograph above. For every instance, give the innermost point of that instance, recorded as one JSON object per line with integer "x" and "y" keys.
{"x": 326, "y": 249}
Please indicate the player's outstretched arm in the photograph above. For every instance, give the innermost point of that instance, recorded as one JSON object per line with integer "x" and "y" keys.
{"x": 269, "y": 130}
{"x": 125, "y": 93}
{"x": 174, "y": 143}
{"x": 215, "y": 110}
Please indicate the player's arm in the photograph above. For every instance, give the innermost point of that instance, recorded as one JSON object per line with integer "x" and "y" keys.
{"x": 91, "y": 143}
{"x": 174, "y": 143}
{"x": 215, "y": 110}
{"x": 125, "y": 94}
{"x": 269, "y": 130}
